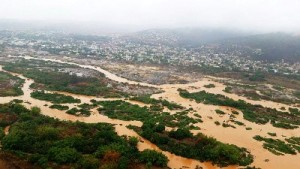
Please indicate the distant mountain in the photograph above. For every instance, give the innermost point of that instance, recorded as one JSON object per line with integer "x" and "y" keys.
{"x": 193, "y": 37}
{"x": 185, "y": 37}
{"x": 270, "y": 47}
{"x": 266, "y": 47}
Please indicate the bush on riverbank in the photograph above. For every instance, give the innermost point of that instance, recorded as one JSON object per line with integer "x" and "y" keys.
{"x": 164, "y": 103}
{"x": 54, "y": 97}
{"x": 59, "y": 107}
{"x": 79, "y": 112}
{"x": 209, "y": 86}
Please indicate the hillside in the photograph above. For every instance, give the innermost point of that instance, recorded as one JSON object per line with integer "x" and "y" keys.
{"x": 270, "y": 47}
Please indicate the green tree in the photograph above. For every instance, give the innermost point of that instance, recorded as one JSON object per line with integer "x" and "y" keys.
{"x": 63, "y": 155}
{"x": 35, "y": 110}
{"x": 89, "y": 162}
{"x": 152, "y": 157}
{"x": 180, "y": 133}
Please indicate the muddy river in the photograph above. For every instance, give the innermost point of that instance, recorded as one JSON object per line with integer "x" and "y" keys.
{"x": 238, "y": 136}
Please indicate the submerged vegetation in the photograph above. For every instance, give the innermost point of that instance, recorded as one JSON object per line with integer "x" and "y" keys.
{"x": 125, "y": 111}
{"x": 59, "y": 107}
{"x": 220, "y": 112}
{"x": 209, "y": 86}
{"x": 182, "y": 142}
{"x": 260, "y": 91}
{"x": 253, "y": 113}
{"x": 279, "y": 147}
{"x": 161, "y": 103}
{"x": 79, "y": 112}
{"x": 10, "y": 85}
{"x": 54, "y": 97}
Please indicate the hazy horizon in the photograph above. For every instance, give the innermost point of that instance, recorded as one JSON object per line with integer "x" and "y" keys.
{"x": 242, "y": 15}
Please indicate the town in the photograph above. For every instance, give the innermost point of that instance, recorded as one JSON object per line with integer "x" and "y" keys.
{"x": 154, "y": 48}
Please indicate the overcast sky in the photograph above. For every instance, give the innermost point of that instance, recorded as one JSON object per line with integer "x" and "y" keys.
{"x": 264, "y": 15}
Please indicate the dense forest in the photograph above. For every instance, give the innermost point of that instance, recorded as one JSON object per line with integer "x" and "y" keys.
{"x": 44, "y": 142}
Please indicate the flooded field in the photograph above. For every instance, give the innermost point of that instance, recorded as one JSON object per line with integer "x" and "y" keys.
{"x": 238, "y": 136}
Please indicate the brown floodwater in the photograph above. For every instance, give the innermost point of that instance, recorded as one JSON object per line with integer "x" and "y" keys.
{"x": 6, "y": 130}
{"x": 238, "y": 136}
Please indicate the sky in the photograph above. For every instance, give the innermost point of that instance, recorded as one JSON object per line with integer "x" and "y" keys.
{"x": 257, "y": 15}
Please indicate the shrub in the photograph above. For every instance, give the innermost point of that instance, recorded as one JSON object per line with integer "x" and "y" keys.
{"x": 59, "y": 107}
{"x": 180, "y": 133}
{"x": 151, "y": 157}
{"x": 220, "y": 112}
{"x": 210, "y": 86}
{"x": 89, "y": 162}
{"x": 217, "y": 123}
